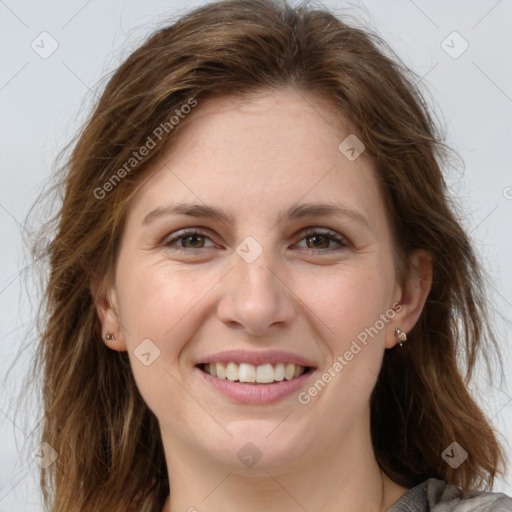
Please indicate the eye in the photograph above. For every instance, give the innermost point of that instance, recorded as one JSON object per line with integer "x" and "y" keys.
{"x": 195, "y": 238}
{"x": 316, "y": 240}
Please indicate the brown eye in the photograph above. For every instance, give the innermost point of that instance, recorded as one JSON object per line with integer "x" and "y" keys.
{"x": 322, "y": 239}
{"x": 318, "y": 241}
{"x": 187, "y": 240}
{"x": 195, "y": 240}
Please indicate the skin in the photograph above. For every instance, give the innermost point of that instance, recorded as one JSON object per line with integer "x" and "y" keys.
{"x": 255, "y": 158}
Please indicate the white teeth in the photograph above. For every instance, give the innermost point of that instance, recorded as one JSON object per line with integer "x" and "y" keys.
{"x": 279, "y": 371}
{"x": 263, "y": 374}
{"x": 232, "y": 371}
{"x": 246, "y": 372}
{"x": 289, "y": 372}
{"x": 221, "y": 371}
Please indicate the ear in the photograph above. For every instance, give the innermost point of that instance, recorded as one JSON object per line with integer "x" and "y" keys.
{"x": 412, "y": 298}
{"x": 106, "y": 302}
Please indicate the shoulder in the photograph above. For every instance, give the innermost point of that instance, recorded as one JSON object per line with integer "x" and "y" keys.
{"x": 435, "y": 495}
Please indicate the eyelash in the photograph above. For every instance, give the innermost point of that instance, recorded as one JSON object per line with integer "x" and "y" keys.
{"x": 331, "y": 236}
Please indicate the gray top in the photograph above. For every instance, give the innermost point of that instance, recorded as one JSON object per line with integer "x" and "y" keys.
{"x": 435, "y": 495}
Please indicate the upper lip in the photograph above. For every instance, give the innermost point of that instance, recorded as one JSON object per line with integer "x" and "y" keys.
{"x": 257, "y": 358}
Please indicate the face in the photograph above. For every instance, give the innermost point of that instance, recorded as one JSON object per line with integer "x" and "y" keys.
{"x": 265, "y": 277}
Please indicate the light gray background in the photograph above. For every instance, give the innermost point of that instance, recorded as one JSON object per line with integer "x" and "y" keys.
{"x": 43, "y": 102}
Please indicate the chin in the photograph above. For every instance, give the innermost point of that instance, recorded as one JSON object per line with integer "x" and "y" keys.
{"x": 257, "y": 446}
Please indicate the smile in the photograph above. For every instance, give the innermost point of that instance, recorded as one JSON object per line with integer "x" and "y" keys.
{"x": 249, "y": 384}
{"x": 249, "y": 373}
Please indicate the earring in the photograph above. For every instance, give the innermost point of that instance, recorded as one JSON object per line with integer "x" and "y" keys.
{"x": 401, "y": 336}
{"x": 110, "y": 336}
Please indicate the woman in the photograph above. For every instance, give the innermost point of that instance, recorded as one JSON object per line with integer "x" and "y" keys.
{"x": 258, "y": 287}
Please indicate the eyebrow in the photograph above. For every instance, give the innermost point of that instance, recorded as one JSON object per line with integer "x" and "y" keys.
{"x": 294, "y": 213}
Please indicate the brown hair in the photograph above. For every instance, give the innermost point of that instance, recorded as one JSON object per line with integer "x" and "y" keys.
{"x": 108, "y": 441}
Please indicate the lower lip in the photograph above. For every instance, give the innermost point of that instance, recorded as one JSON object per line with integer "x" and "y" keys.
{"x": 257, "y": 393}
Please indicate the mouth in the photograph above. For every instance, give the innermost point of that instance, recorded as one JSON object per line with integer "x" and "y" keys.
{"x": 249, "y": 374}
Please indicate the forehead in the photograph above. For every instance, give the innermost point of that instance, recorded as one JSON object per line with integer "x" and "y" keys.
{"x": 260, "y": 154}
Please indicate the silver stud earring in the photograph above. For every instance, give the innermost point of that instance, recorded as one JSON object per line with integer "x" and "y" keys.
{"x": 401, "y": 336}
{"x": 110, "y": 336}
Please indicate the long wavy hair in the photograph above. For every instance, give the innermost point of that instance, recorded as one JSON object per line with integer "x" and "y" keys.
{"x": 110, "y": 452}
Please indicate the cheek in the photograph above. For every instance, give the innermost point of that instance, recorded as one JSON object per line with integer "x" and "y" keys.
{"x": 356, "y": 306}
{"x": 158, "y": 312}
{"x": 348, "y": 300}
{"x": 155, "y": 299}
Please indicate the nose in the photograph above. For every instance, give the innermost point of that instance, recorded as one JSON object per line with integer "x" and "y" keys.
{"x": 256, "y": 297}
